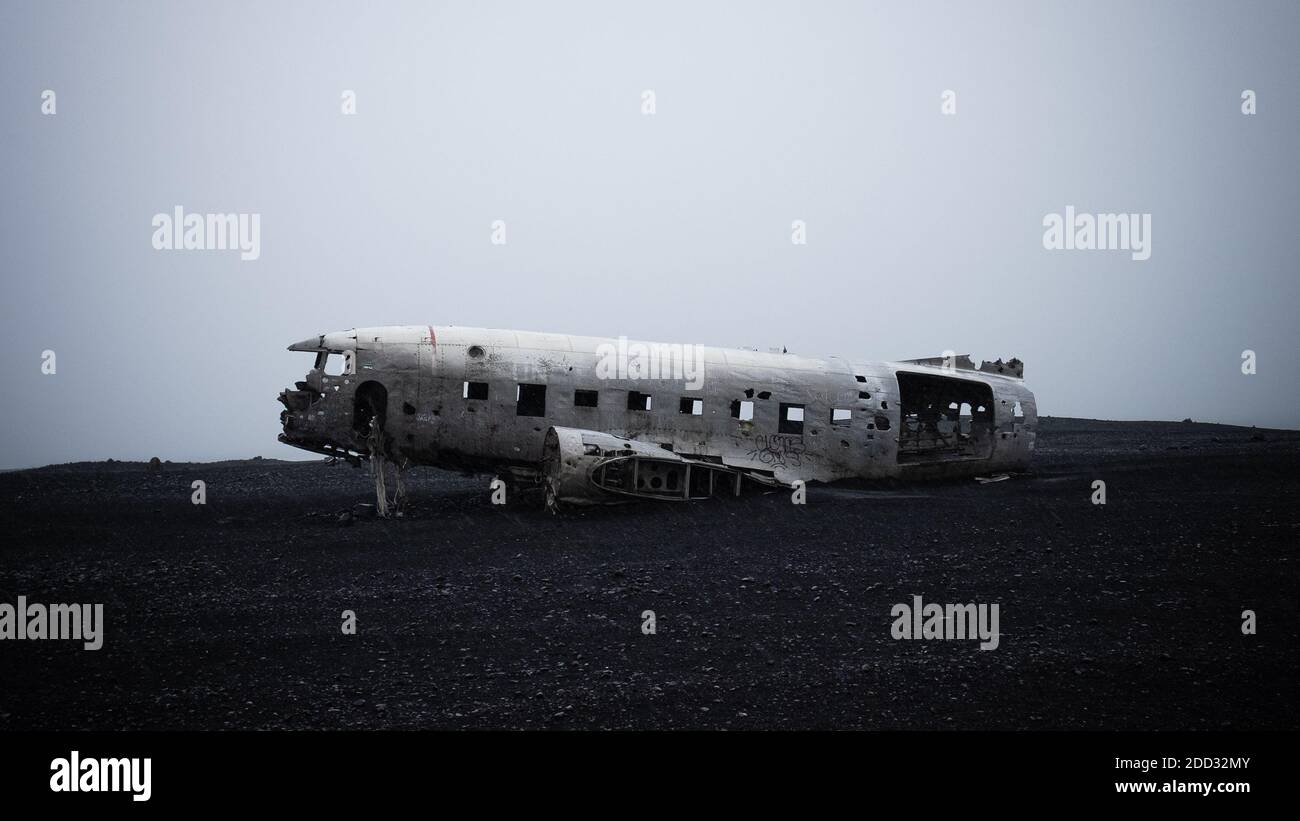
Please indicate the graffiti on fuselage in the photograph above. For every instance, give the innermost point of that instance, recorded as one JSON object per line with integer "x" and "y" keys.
{"x": 779, "y": 450}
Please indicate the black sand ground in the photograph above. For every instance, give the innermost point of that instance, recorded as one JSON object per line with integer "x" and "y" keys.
{"x": 1126, "y": 616}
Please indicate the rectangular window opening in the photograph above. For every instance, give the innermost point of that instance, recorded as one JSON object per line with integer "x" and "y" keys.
{"x": 638, "y": 401}
{"x": 692, "y": 406}
{"x": 790, "y": 419}
{"x": 742, "y": 409}
{"x": 530, "y": 400}
{"x": 585, "y": 399}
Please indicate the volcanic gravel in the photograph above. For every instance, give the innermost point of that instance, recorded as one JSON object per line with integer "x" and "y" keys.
{"x": 768, "y": 615}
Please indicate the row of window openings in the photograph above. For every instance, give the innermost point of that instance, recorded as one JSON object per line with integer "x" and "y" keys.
{"x": 530, "y": 400}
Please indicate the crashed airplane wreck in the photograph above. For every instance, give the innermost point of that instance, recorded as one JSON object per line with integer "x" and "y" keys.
{"x": 597, "y": 420}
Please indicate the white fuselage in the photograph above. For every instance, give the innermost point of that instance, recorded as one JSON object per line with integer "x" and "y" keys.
{"x": 483, "y": 400}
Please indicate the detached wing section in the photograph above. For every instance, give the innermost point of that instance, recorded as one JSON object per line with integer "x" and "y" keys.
{"x": 589, "y": 467}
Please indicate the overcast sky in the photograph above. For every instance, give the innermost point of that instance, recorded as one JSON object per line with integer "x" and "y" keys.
{"x": 924, "y": 229}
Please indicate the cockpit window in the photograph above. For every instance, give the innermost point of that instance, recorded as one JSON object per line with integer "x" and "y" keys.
{"x": 336, "y": 363}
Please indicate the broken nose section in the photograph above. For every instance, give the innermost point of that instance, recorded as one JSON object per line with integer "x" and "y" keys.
{"x": 301, "y": 430}
{"x": 310, "y": 421}
{"x": 297, "y": 400}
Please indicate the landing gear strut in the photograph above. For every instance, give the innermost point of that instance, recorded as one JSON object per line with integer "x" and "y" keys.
{"x": 379, "y": 469}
